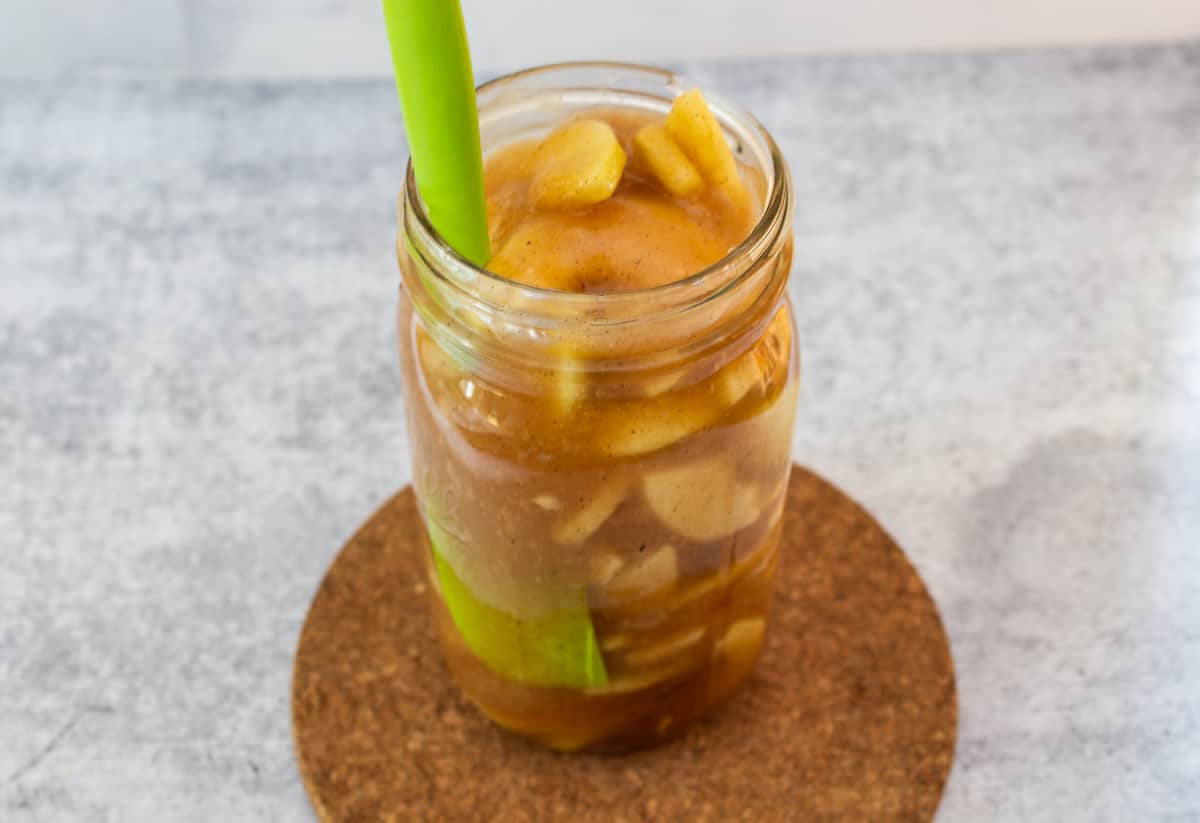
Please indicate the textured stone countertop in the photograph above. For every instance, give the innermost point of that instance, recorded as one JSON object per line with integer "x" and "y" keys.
{"x": 997, "y": 285}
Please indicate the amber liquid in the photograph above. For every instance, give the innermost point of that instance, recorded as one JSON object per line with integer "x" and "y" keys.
{"x": 654, "y": 498}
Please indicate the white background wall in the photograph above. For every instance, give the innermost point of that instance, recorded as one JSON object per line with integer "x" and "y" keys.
{"x": 345, "y": 37}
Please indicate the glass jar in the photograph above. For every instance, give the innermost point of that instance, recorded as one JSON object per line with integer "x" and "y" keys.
{"x": 601, "y": 477}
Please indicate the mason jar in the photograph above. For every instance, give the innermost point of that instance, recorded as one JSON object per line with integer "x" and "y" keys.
{"x": 601, "y": 477}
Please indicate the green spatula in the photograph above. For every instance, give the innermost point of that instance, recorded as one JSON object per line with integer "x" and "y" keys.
{"x": 437, "y": 97}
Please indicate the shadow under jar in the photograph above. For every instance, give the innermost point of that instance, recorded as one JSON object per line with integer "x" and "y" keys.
{"x": 601, "y": 476}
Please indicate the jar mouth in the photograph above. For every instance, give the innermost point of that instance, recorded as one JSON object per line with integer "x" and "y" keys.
{"x": 478, "y": 282}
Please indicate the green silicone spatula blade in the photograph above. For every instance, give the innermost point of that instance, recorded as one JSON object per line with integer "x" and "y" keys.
{"x": 546, "y": 639}
{"x": 557, "y": 649}
{"x": 437, "y": 96}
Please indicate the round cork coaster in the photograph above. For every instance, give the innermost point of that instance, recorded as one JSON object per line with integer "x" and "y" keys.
{"x": 850, "y": 715}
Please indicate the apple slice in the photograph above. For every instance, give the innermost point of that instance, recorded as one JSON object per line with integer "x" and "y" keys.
{"x": 743, "y": 638}
{"x": 584, "y": 522}
{"x": 578, "y": 165}
{"x": 698, "y": 132}
{"x": 644, "y": 678}
{"x": 436, "y": 361}
{"x": 662, "y": 382}
{"x": 668, "y": 162}
{"x": 547, "y": 502}
{"x": 615, "y": 642}
{"x": 651, "y": 576}
{"x": 529, "y": 256}
{"x": 734, "y": 655}
{"x": 654, "y": 423}
{"x": 762, "y": 367}
{"x": 702, "y": 500}
{"x": 568, "y": 381}
{"x": 661, "y": 650}
{"x": 603, "y": 566}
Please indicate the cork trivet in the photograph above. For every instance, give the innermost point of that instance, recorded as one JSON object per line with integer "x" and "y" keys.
{"x": 850, "y": 715}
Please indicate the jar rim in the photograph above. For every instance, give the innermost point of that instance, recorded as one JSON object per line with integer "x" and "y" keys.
{"x": 773, "y": 221}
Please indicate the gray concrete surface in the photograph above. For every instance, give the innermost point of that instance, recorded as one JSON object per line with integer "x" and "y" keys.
{"x": 997, "y": 285}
